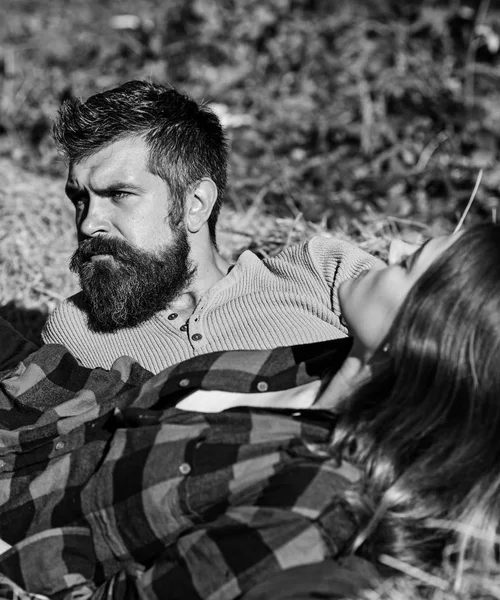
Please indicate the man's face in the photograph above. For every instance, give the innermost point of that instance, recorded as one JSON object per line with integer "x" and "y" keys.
{"x": 115, "y": 195}
{"x": 130, "y": 260}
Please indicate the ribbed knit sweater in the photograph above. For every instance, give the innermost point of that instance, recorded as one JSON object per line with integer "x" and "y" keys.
{"x": 260, "y": 304}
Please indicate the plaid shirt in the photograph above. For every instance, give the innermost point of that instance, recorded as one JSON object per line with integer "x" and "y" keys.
{"x": 107, "y": 492}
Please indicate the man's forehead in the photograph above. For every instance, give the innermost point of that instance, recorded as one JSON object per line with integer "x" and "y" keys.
{"x": 123, "y": 160}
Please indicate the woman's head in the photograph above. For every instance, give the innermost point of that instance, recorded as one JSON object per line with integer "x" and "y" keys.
{"x": 371, "y": 301}
{"x": 450, "y": 319}
{"x": 427, "y": 425}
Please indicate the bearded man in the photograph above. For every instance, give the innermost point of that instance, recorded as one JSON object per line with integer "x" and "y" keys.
{"x": 147, "y": 170}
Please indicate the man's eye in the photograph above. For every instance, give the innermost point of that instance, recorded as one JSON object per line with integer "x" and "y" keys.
{"x": 117, "y": 195}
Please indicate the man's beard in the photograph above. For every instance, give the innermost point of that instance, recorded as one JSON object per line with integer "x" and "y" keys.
{"x": 133, "y": 285}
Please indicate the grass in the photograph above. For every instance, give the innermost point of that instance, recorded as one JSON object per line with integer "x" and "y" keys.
{"x": 36, "y": 238}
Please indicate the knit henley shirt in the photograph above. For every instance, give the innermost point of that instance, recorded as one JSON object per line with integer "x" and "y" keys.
{"x": 286, "y": 300}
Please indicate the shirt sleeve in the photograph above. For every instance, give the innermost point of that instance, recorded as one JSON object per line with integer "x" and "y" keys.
{"x": 337, "y": 260}
{"x": 52, "y": 375}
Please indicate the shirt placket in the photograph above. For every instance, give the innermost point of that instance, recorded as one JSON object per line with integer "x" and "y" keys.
{"x": 195, "y": 330}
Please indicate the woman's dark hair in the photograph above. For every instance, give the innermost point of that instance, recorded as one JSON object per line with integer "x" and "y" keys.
{"x": 186, "y": 140}
{"x": 426, "y": 427}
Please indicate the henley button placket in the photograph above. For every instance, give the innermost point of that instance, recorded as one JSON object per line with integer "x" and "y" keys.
{"x": 196, "y": 333}
{"x": 185, "y": 469}
{"x": 172, "y": 316}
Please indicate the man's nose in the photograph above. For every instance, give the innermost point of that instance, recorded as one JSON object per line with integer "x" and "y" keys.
{"x": 94, "y": 220}
{"x": 398, "y": 250}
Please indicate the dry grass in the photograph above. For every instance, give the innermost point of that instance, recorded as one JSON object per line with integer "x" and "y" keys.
{"x": 36, "y": 239}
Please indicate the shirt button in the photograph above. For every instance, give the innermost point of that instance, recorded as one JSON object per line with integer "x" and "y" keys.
{"x": 185, "y": 469}
{"x": 172, "y": 316}
{"x": 183, "y": 327}
{"x": 262, "y": 386}
{"x": 196, "y": 337}
{"x": 184, "y": 382}
{"x": 59, "y": 445}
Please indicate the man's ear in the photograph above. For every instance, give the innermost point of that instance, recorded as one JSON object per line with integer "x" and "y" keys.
{"x": 199, "y": 204}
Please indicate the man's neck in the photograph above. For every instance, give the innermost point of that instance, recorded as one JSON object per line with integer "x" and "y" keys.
{"x": 210, "y": 269}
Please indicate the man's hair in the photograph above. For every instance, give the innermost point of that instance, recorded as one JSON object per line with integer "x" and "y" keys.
{"x": 186, "y": 140}
{"x": 426, "y": 427}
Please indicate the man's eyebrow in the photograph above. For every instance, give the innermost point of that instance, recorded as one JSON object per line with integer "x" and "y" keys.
{"x": 114, "y": 186}
{"x": 415, "y": 256}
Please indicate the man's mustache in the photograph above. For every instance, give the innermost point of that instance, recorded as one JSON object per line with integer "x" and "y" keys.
{"x": 119, "y": 249}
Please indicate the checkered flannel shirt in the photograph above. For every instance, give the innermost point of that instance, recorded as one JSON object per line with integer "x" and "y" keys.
{"x": 111, "y": 492}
